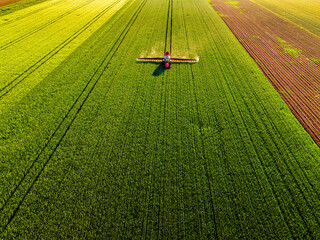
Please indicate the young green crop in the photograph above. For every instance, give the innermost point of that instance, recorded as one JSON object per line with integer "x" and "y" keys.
{"x": 107, "y": 147}
{"x": 26, "y": 63}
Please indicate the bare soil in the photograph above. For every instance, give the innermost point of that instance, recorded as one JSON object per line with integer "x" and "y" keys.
{"x": 7, "y": 2}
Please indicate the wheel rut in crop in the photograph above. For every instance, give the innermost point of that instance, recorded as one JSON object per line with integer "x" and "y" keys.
{"x": 49, "y": 148}
{"x": 169, "y": 28}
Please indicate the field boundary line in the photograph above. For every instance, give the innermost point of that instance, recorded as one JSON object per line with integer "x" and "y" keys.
{"x": 171, "y": 26}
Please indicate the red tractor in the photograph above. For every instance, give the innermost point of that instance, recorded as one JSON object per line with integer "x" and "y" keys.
{"x": 167, "y": 60}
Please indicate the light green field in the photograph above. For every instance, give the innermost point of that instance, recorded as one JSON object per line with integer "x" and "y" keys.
{"x": 305, "y": 13}
{"x": 95, "y": 145}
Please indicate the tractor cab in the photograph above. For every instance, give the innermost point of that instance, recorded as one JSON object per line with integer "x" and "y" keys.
{"x": 166, "y": 60}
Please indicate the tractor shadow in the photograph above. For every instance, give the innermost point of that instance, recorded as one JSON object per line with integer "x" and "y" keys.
{"x": 159, "y": 70}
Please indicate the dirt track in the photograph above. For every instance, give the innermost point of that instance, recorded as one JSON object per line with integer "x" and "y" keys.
{"x": 7, "y": 2}
{"x": 288, "y": 55}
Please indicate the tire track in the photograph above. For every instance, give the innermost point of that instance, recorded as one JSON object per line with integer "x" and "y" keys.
{"x": 171, "y": 26}
{"x": 16, "y": 81}
{"x": 163, "y": 142}
{"x": 85, "y": 94}
{"x": 168, "y": 15}
{"x": 164, "y": 101}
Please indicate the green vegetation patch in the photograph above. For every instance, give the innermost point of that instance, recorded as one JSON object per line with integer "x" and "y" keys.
{"x": 254, "y": 36}
{"x": 289, "y": 48}
{"x": 280, "y": 40}
{"x": 233, "y": 2}
{"x": 314, "y": 60}
{"x": 293, "y": 51}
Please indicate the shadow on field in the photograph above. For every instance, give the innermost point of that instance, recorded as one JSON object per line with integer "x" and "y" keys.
{"x": 159, "y": 70}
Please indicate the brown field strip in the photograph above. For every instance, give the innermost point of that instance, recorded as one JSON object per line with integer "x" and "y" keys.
{"x": 288, "y": 56}
{"x": 7, "y": 2}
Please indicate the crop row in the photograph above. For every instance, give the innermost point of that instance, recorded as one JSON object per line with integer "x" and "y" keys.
{"x": 256, "y": 121}
{"x": 20, "y": 187}
{"x": 107, "y": 147}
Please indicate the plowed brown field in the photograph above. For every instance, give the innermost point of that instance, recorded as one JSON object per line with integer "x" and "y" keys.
{"x": 287, "y": 54}
{"x": 7, "y": 2}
